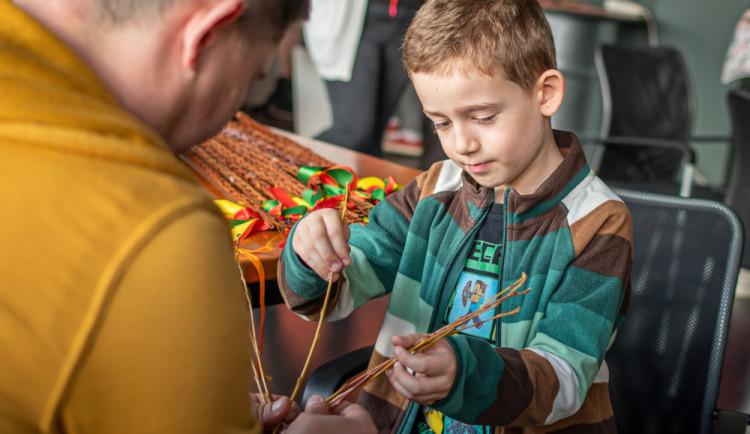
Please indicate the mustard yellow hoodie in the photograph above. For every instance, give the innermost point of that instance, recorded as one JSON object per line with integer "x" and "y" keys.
{"x": 121, "y": 309}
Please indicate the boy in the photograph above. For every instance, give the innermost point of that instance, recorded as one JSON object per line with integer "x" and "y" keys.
{"x": 514, "y": 197}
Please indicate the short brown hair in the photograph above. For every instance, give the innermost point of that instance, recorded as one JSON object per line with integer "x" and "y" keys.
{"x": 510, "y": 37}
{"x": 261, "y": 18}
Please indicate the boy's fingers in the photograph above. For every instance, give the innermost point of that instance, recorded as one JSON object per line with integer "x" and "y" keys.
{"x": 422, "y": 389}
{"x": 338, "y": 234}
{"x": 407, "y": 340}
{"x": 415, "y": 362}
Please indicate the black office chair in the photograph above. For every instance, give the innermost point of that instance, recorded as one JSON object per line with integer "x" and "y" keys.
{"x": 666, "y": 361}
{"x": 648, "y": 107}
{"x": 738, "y": 191}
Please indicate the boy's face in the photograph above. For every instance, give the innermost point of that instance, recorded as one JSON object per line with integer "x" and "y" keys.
{"x": 492, "y": 128}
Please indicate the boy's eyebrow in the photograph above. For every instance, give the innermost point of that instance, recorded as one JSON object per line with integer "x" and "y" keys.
{"x": 467, "y": 108}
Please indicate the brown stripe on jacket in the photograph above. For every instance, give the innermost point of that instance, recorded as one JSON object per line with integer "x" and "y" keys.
{"x": 594, "y": 417}
{"x": 615, "y": 233}
{"x": 301, "y": 305}
{"x": 525, "y": 371}
{"x": 382, "y": 400}
{"x": 611, "y": 217}
{"x": 551, "y": 221}
{"x": 596, "y": 410}
{"x": 567, "y": 143}
{"x": 428, "y": 180}
{"x": 594, "y": 259}
{"x": 514, "y": 382}
{"x": 406, "y": 200}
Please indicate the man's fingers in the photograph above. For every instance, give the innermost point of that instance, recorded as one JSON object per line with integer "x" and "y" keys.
{"x": 353, "y": 411}
{"x": 272, "y": 413}
{"x": 316, "y": 405}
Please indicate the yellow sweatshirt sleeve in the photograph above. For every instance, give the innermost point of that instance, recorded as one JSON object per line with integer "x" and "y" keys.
{"x": 171, "y": 353}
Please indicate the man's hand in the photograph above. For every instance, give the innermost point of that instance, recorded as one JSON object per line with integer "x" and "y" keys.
{"x": 348, "y": 418}
{"x": 434, "y": 369}
{"x": 322, "y": 242}
{"x": 271, "y": 414}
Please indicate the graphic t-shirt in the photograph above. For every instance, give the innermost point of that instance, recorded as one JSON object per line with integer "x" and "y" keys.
{"x": 478, "y": 282}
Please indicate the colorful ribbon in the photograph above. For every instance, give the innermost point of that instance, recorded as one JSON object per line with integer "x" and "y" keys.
{"x": 243, "y": 220}
{"x": 325, "y": 189}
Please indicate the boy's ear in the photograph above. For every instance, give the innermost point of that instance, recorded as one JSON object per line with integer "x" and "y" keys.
{"x": 202, "y": 24}
{"x": 550, "y": 88}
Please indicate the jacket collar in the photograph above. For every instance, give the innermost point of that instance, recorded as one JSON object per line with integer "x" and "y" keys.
{"x": 558, "y": 182}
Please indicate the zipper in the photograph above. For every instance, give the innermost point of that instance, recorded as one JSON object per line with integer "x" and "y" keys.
{"x": 499, "y": 329}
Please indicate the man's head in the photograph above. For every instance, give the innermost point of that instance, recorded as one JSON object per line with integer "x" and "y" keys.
{"x": 261, "y": 19}
{"x": 484, "y": 72}
{"x": 492, "y": 37}
{"x": 182, "y": 67}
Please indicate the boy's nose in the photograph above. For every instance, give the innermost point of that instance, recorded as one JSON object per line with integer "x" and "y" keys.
{"x": 465, "y": 142}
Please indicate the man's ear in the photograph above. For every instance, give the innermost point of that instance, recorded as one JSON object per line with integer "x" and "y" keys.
{"x": 550, "y": 88}
{"x": 202, "y": 24}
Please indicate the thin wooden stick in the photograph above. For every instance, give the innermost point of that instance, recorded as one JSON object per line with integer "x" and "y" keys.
{"x": 359, "y": 381}
{"x": 258, "y": 371}
{"x": 303, "y": 375}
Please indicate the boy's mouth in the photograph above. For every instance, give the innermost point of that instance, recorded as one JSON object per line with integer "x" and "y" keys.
{"x": 478, "y": 168}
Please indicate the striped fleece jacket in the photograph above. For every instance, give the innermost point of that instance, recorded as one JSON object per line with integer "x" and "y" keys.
{"x": 546, "y": 373}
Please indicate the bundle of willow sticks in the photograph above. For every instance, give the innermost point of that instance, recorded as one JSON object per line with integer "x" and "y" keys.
{"x": 246, "y": 159}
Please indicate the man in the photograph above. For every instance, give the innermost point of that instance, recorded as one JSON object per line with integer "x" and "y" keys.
{"x": 120, "y": 306}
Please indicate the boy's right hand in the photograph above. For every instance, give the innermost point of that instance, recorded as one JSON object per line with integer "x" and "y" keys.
{"x": 322, "y": 242}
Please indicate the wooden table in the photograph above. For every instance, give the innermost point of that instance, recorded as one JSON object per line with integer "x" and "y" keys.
{"x": 362, "y": 164}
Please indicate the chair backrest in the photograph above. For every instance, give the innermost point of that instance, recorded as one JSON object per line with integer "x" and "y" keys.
{"x": 646, "y": 93}
{"x": 665, "y": 363}
{"x": 738, "y": 190}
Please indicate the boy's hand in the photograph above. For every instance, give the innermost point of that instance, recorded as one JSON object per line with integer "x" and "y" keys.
{"x": 434, "y": 369}
{"x": 322, "y": 242}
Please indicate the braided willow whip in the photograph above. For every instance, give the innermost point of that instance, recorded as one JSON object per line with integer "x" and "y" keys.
{"x": 246, "y": 159}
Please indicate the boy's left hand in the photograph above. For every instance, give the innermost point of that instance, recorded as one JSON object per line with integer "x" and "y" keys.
{"x": 434, "y": 369}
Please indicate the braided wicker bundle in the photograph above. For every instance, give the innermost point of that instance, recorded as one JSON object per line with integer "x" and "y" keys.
{"x": 246, "y": 159}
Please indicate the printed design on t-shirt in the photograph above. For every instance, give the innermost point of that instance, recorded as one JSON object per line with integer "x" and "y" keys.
{"x": 475, "y": 290}
{"x": 442, "y": 424}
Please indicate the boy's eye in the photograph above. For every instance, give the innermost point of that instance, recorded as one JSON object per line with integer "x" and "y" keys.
{"x": 436, "y": 126}
{"x": 485, "y": 120}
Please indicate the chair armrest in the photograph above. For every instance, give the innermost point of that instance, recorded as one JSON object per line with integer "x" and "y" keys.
{"x": 711, "y": 139}
{"x": 683, "y": 147}
{"x": 328, "y": 377}
{"x": 730, "y": 422}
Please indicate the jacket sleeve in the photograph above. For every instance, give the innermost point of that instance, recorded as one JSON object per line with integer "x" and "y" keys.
{"x": 549, "y": 378}
{"x": 171, "y": 351}
{"x": 376, "y": 250}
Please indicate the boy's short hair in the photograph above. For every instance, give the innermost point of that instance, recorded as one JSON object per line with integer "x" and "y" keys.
{"x": 261, "y": 18}
{"x": 510, "y": 37}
